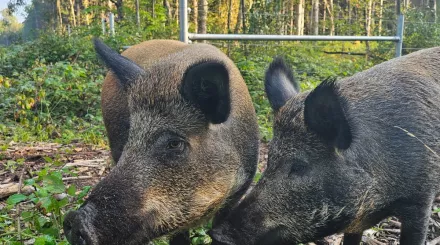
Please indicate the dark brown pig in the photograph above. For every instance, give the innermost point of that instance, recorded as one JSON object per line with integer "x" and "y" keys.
{"x": 184, "y": 134}
{"x": 346, "y": 155}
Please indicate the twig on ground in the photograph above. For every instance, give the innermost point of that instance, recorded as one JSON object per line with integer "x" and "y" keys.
{"x": 395, "y": 231}
{"x": 395, "y": 223}
{"x": 436, "y": 241}
{"x": 12, "y": 188}
{"x": 78, "y": 178}
{"x": 87, "y": 163}
{"x": 371, "y": 241}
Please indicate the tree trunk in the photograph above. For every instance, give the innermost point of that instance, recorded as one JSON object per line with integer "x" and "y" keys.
{"x": 167, "y": 6}
{"x": 119, "y": 8}
{"x": 300, "y": 18}
{"x": 279, "y": 19}
{"x": 239, "y": 15}
{"x": 229, "y": 25}
{"x": 243, "y": 15}
{"x": 380, "y": 17}
{"x": 176, "y": 11}
{"x": 203, "y": 12}
{"x": 72, "y": 12}
{"x": 138, "y": 17}
{"x": 315, "y": 17}
{"x": 87, "y": 16}
{"x": 324, "y": 15}
{"x": 368, "y": 16}
{"x": 153, "y": 10}
{"x": 229, "y": 16}
{"x": 331, "y": 16}
{"x": 349, "y": 16}
{"x": 292, "y": 9}
{"x": 195, "y": 14}
{"x": 78, "y": 12}
{"x": 59, "y": 14}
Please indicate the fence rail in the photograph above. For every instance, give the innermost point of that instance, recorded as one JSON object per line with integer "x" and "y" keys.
{"x": 185, "y": 36}
{"x": 258, "y": 37}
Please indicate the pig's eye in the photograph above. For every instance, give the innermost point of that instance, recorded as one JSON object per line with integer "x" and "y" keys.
{"x": 176, "y": 145}
{"x": 299, "y": 168}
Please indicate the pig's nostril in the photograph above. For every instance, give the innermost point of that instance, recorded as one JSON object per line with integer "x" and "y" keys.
{"x": 74, "y": 230}
{"x": 81, "y": 240}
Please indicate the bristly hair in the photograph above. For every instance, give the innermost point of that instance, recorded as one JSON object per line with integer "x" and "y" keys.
{"x": 279, "y": 63}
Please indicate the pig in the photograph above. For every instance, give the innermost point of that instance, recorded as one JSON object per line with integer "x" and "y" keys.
{"x": 183, "y": 131}
{"x": 346, "y": 155}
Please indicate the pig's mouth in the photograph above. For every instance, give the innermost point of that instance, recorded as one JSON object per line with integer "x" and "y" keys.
{"x": 79, "y": 229}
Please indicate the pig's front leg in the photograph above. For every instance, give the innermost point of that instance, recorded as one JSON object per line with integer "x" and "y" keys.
{"x": 352, "y": 238}
{"x": 181, "y": 238}
{"x": 415, "y": 221}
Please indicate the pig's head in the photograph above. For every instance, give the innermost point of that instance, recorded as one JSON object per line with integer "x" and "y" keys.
{"x": 308, "y": 188}
{"x": 181, "y": 161}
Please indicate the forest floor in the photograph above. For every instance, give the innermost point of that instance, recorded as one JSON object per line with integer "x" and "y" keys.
{"x": 91, "y": 163}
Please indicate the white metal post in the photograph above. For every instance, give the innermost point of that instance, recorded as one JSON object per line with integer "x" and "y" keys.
{"x": 400, "y": 28}
{"x": 183, "y": 20}
{"x": 112, "y": 24}
{"x": 103, "y": 25}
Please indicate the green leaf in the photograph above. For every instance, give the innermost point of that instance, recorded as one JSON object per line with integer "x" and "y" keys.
{"x": 46, "y": 202}
{"x": 54, "y": 182}
{"x": 48, "y": 159}
{"x": 51, "y": 231}
{"x": 84, "y": 192}
{"x": 71, "y": 190}
{"x": 26, "y": 214}
{"x": 63, "y": 202}
{"x": 16, "y": 198}
{"x": 42, "y": 221}
{"x": 29, "y": 182}
{"x": 44, "y": 240}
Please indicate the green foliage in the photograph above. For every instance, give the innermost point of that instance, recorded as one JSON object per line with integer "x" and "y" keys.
{"x": 10, "y": 28}
{"x": 309, "y": 65}
{"x": 51, "y": 92}
{"x": 420, "y": 32}
{"x": 40, "y": 214}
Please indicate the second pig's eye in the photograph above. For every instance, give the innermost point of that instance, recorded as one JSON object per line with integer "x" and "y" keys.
{"x": 299, "y": 168}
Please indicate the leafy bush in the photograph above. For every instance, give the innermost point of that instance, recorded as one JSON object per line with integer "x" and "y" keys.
{"x": 41, "y": 213}
{"x": 52, "y": 92}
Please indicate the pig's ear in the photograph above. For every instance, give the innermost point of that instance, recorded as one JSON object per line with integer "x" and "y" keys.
{"x": 324, "y": 114}
{"x": 125, "y": 70}
{"x": 279, "y": 84}
{"x": 206, "y": 85}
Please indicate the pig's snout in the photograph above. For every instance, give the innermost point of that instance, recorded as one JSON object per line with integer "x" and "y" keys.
{"x": 78, "y": 228}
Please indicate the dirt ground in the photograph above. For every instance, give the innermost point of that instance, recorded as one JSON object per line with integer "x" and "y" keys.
{"x": 91, "y": 163}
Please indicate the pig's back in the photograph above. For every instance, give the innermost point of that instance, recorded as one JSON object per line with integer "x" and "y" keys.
{"x": 394, "y": 109}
